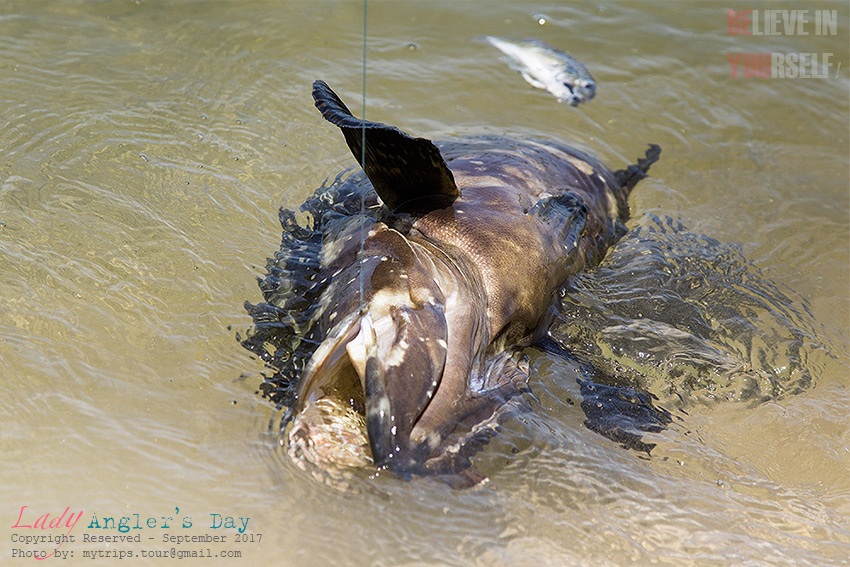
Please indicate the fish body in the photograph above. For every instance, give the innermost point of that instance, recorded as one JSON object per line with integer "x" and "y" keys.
{"x": 419, "y": 325}
{"x": 549, "y": 69}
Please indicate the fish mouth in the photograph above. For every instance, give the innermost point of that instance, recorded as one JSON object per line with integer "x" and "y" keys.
{"x": 580, "y": 90}
{"x": 365, "y": 389}
{"x": 585, "y": 89}
{"x": 328, "y": 432}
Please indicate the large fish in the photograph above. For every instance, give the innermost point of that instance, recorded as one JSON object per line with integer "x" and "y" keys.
{"x": 419, "y": 308}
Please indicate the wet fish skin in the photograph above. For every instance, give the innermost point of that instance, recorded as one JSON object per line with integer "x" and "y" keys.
{"x": 549, "y": 69}
{"x": 459, "y": 266}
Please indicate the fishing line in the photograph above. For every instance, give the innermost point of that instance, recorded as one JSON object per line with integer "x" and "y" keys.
{"x": 363, "y": 165}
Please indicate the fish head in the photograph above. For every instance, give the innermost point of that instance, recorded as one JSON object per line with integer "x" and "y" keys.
{"x": 387, "y": 381}
{"x": 584, "y": 88}
{"x": 574, "y": 88}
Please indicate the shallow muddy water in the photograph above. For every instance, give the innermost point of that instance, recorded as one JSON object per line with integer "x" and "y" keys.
{"x": 145, "y": 149}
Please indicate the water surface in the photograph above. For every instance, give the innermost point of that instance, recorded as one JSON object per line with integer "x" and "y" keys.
{"x": 145, "y": 149}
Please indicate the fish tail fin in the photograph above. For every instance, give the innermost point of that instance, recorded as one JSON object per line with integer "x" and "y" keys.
{"x": 629, "y": 177}
{"x": 626, "y": 179}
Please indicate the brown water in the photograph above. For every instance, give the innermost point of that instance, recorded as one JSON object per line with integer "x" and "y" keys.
{"x": 144, "y": 150}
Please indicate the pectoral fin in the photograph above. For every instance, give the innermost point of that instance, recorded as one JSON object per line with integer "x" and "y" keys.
{"x": 409, "y": 174}
{"x": 567, "y": 210}
{"x": 622, "y": 414}
{"x": 401, "y": 376}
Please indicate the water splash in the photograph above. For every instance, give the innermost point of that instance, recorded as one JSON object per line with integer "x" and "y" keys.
{"x": 684, "y": 316}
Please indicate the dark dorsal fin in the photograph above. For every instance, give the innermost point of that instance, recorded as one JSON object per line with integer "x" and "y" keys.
{"x": 409, "y": 174}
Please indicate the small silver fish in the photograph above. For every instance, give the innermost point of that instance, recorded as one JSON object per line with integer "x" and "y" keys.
{"x": 549, "y": 69}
